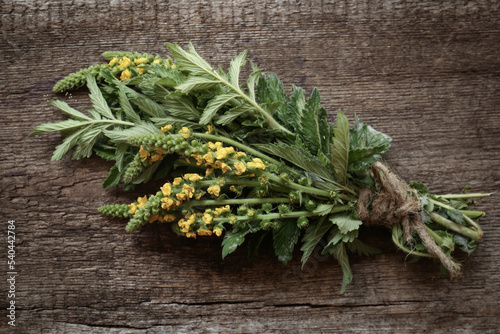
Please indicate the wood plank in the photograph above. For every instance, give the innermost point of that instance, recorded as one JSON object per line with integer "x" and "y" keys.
{"x": 425, "y": 73}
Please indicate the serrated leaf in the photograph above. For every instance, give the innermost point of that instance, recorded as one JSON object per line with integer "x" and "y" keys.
{"x": 113, "y": 178}
{"x": 127, "y": 107}
{"x": 324, "y": 209}
{"x": 231, "y": 241}
{"x": 189, "y": 60}
{"x": 98, "y": 101}
{"x": 310, "y": 124}
{"x": 66, "y": 109}
{"x": 345, "y": 223}
{"x": 105, "y": 154}
{"x": 147, "y": 174}
{"x": 296, "y": 157}
{"x": 68, "y": 143}
{"x": 214, "y": 105}
{"x": 66, "y": 125}
{"x": 140, "y": 129}
{"x": 181, "y": 107}
{"x": 196, "y": 83}
{"x": 360, "y": 248}
{"x": 285, "y": 237}
{"x": 251, "y": 82}
{"x": 232, "y": 114}
{"x": 235, "y": 67}
{"x": 367, "y": 145}
{"x": 86, "y": 142}
{"x": 312, "y": 236}
{"x": 456, "y": 216}
{"x": 121, "y": 150}
{"x": 340, "y": 150}
{"x": 340, "y": 254}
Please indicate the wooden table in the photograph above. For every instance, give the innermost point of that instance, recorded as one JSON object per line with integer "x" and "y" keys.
{"x": 427, "y": 74}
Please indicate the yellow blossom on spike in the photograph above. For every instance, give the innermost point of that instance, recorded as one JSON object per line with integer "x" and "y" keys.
{"x": 232, "y": 188}
{"x": 207, "y": 218}
{"x": 222, "y": 209}
{"x": 167, "y": 203}
{"x": 200, "y": 195}
{"x": 169, "y": 218}
{"x": 181, "y": 196}
{"x": 215, "y": 146}
{"x": 193, "y": 177}
{"x": 166, "y": 189}
{"x": 141, "y": 71}
{"x": 204, "y": 232}
{"x": 124, "y": 62}
{"x": 214, "y": 190}
{"x": 126, "y": 75}
{"x": 142, "y": 201}
{"x": 210, "y": 128}
{"x": 156, "y": 62}
{"x": 156, "y": 157}
{"x": 198, "y": 158}
{"x": 140, "y": 60}
{"x": 185, "y": 133}
{"x": 177, "y": 181}
{"x": 218, "y": 231}
{"x": 240, "y": 154}
{"x": 166, "y": 128}
{"x": 191, "y": 235}
{"x": 257, "y": 163}
{"x": 161, "y": 150}
{"x": 155, "y": 217}
{"x": 209, "y": 158}
{"x": 225, "y": 167}
{"x": 113, "y": 61}
{"x": 133, "y": 208}
{"x": 209, "y": 171}
{"x": 240, "y": 167}
{"x": 173, "y": 66}
{"x": 232, "y": 219}
{"x": 188, "y": 190}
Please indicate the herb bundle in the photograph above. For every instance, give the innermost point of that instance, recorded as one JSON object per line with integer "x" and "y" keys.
{"x": 244, "y": 160}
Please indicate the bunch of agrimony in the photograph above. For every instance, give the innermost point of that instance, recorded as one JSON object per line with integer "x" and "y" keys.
{"x": 244, "y": 160}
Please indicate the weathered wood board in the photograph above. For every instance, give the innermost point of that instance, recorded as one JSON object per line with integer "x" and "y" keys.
{"x": 426, "y": 73}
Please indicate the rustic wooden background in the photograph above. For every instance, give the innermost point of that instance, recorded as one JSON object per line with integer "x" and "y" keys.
{"x": 426, "y": 73}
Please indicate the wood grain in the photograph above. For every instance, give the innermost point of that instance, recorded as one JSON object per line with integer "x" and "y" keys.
{"x": 426, "y": 73}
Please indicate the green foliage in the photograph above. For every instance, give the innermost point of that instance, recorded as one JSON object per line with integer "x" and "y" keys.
{"x": 312, "y": 237}
{"x": 340, "y": 150}
{"x": 285, "y": 237}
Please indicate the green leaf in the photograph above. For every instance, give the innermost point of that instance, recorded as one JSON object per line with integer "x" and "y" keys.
{"x": 66, "y": 125}
{"x": 214, "y": 105}
{"x": 126, "y": 106}
{"x": 340, "y": 150}
{"x": 360, "y": 248}
{"x": 296, "y": 157}
{"x": 312, "y": 236}
{"x": 285, "y": 237}
{"x": 98, "y": 101}
{"x": 113, "y": 178}
{"x": 233, "y": 114}
{"x": 235, "y": 67}
{"x": 140, "y": 129}
{"x": 66, "y": 109}
{"x": 324, "y": 209}
{"x": 197, "y": 83}
{"x": 367, "y": 145}
{"x": 345, "y": 223}
{"x": 251, "y": 82}
{"x": 189, "y": 60}
{"x": 310, "y": 124}
{"x": 181, "y": 107}
{"x": 86, "y": 141}
{"x": 232, "y": 240}
{"x": 105, "y": 154}
{"x": 340, "y": 254}
{"x": 68, "y": 143}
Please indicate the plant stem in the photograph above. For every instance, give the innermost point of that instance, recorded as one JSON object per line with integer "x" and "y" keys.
{"x": 473, "y": 214}
{"x": 464, "y": 196}
{"x": 292, "y": 185}
{"x": 467, "y": 218}
{"x": 237, "y": 201}
{"x": 438, "y": 219}
{"x": 396, "y": 240}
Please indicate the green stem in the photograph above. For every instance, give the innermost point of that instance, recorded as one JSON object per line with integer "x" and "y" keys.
{"x": 396, "y": 241}
{"x": 292, "y": 185}
{"x": 473, "y": 214}
{"x": 464, "y": 196}
{"x": 467, "y": 218}
{"x": 237, "y": 144}
{"x": 438, "y": 219}
{"x": 296, "y": 214}
{"x": 236, "y": 201}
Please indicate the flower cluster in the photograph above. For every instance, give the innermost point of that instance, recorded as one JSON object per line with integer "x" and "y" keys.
{"x": 128, "y": 66}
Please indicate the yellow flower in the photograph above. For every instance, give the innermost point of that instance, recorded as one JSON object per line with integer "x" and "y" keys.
{"x": 191, "y": 235}
{"x": 198, "y": 158}
{"x": 155, "y": 217}
{"x": 167, "y": 203}
{"x": 173, "y": 66}
{"x": 207, "y": 218}
{"x": 222, "y": 152}
{"x": 142, "y": 201}
{"x": 141, "y": 71}
{"x": 133, "y": 208}
{"x": 225, "y": 167}
{"x": 141, "y": 60}
{"x": 166, "y": 128}
{"x": 156, "y": 62}
{"x": 209, "y": 171}
{"x": 181, "y": 196}
{"x": 222, "y": 209}
{"x": 166, "y": 189}
{"x": 209, "y": 158}
{"x": 156, "y": 157}
{"x": 126, "y": 75}
{"x": 218, "y": 231}
{"x": 240, "y": 167}
{"x": 169, "y": 218}
{"x": 210, "y": 128}
{"x": 232, "y": 188}
{"x": 113, "y": 61}
{"x": 200, "y": 195}
{"x": 161, "y": 150}
{"x": 214, "y": 190}
{"x": 193, "y": 177}
{"x": 204, "y": 232}
{"x": 188, "y": 190}
{"x": 232, "y": 219}
{"x": 257, "y": 163}
{"x": 185, "y": 133}
{"x": 240, "y": 154}
{"x": 124, "y": 62}
{"x": 177, "y": 181}
{"x": 215, "y": 146}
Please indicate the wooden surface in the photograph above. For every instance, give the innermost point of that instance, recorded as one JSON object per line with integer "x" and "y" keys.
{"x": 426, "y": 73}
